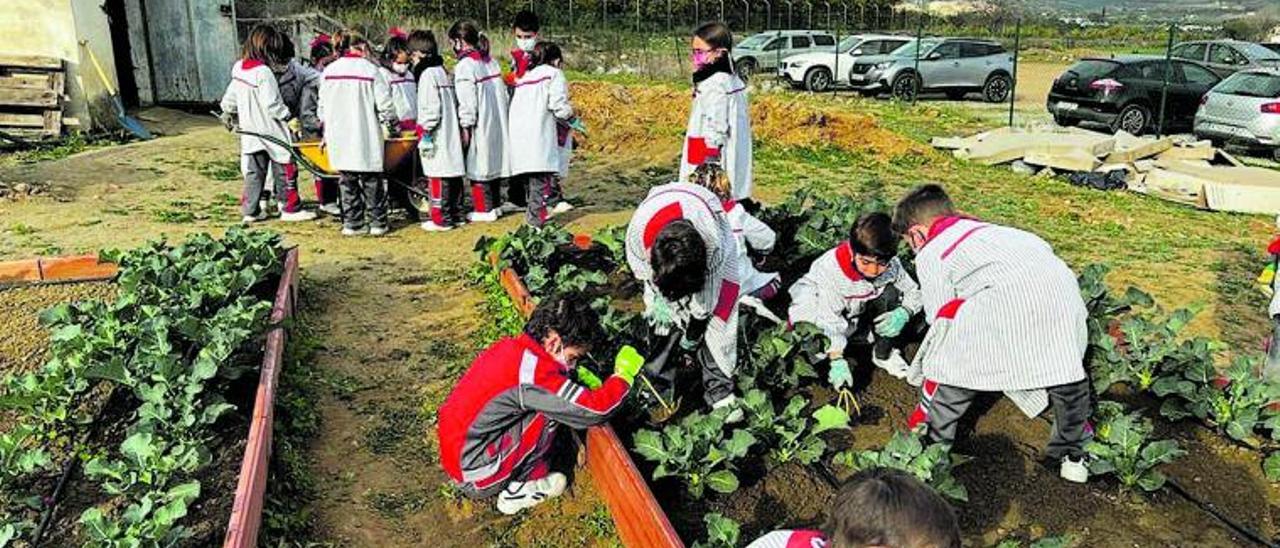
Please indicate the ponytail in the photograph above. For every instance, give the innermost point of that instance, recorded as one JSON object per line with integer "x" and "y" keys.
{"x": 482, "y": 45}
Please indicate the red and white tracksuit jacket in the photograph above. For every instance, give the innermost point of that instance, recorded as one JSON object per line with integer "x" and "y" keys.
{"x": 499, "y": 420}
{"x": 790, "y": 539}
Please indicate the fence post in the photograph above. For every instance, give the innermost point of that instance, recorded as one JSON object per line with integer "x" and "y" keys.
{"x": 835, "y": 67}
{"x": 1164, "y": 88}
{"x": 919, "y": 36}
{"x": 1013, "y": 86}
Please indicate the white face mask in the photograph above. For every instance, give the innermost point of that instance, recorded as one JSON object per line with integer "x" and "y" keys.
{"x": 526, "y": 44}
{"x": 399, "y": 67}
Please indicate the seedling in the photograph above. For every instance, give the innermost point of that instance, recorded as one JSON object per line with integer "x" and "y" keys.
{"x": 790, "y": 433}
{"x": 1234, "y": 400}
{"x": 698, "y": 451}
{"x": 932, "y": 464}
{"x": 1122, "y": 447}
{"x": 722, "y": 532}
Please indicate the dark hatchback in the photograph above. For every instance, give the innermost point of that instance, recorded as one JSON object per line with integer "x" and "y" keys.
{"x": 1124, "y": 93}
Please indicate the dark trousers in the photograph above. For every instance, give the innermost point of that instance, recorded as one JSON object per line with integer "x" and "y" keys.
{"x": 555, "y": 451}
{"x": 539, "y": 190}
{"x": 326, "y": 190}
{"x": 715, "y": 385}
{"x": 944, "y": 406}
{"x": 446, "y": 200}
{"x": 363, "y": 192}
{"x": 517, "y": 191}
{"x": 407, "y": 174}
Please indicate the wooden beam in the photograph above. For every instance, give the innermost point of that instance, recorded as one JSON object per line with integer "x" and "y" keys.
{"x": 42, "y": 80}
{"x": 31, "y": 61}
{"x": 22, "y": 97}
{"x": 8, "y": 119}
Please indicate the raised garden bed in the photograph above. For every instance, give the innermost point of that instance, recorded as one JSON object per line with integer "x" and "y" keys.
{"x": 78, "y": 497}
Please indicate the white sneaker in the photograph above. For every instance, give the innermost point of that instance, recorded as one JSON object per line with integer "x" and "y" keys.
{"x": 894, "y": 365}
{"x": 487, "y": 217}
{"x": 508, "y": 207}
{"x": 247, "y": 219}
{"x": 299, "y": 215}
{"x": 562, "y": 207}
{"x": 377, "y": 231}
{"x": 1074, "y": 471}
{"x": 432, "y": 227}
{"x": 735, "y": 416}
{"x": 331, "y": 209}
{"x": 351, "y": 232}
{"x": 520, "y": 495}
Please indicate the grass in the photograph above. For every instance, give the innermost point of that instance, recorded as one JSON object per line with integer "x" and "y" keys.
{"x": 220, "y": 170}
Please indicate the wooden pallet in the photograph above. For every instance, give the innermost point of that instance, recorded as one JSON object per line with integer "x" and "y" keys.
{"x": 31, "y": 96}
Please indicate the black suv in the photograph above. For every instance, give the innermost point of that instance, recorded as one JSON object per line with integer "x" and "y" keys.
{"x": 1124, "y": 92}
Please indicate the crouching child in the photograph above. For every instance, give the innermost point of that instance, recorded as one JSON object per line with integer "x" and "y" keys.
{"x": 1005, "y": 315}
{"x": 859, "y": 292}
{"x": 498, "y": 426}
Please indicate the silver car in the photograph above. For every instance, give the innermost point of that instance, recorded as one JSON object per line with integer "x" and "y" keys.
{"x": 1225, "y": 57}
{"x": 1243, "y": 109}
{"x": 955, "y": 66}
{"x": 763, "y": 52}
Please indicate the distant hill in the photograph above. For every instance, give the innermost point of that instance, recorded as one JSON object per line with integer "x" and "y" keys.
{"x": 1206, "y": 10}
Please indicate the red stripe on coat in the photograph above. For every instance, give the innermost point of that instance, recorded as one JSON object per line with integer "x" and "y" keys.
{"x": 949, "y": 310}
{"x": 663, "y": 217}
{"x": 245, "y": 82}
{"x": 727, "y": 300}
{"x": 962, "y": 238}
{"x": 348, "y": 77}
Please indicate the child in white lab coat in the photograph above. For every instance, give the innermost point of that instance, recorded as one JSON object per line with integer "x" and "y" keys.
{"x": 253, "y": 103}
{"x": 441, "y": 143}
{"x": 321, "y": 55}
{"x": 482, "y": 116}
{"x": 751, "y": 233}
{"x": 538, "y": 106}
{"x": 719, "y": 124}
{"x": 396, "y": 65}
{"x": 357, "y": 111}
{"x": 295, "y": 81}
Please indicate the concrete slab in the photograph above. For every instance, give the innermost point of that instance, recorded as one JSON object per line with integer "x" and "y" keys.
{"x": 1173, "y": 186}
{"x": 1189, "y": 153}
{"x": 1073, "y": 161}
{"x": 1129, "y": 151}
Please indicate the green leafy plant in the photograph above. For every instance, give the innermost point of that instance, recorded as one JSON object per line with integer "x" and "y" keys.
{"x": 781, "y": 357}
{"x": 722, "y": 532}
{"x": 697, "y": 450}
{"x": 613, "y": 238}
{"x": 1271, "y": 466}
{"x": 791, "y": 434}
{"x": 1122, "y": 447}
{"x": 526, "y": 247}
{"x": 571, "y": 279}
{"x": 930, "y": 463}
{"x": 1150, "y": 347}
{"x": 1235, "y": 400}
{"x": 1102, "y": 304}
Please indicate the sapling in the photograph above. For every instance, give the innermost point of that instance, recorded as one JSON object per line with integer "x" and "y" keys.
{"x": 781, "y": 357}
{"x": 930, "y": 463}
{"x": 1151, "y": 347}
{"x": 722, "y": 532}
{"x": 790, "y": 433}
{"x": 1122, "y": 446}
{"x": 697, "y": 450}
{"x": 1235, "y": 399}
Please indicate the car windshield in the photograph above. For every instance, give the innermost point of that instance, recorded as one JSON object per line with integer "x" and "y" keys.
{"x": 1251, "y": 84}
{"x": 1092, "y": 69}
{"x": 909, "y": 49}
{"x": 1254, "y": 51}
{"x": 754, "y": 41}
{"x": 848, "y": 42}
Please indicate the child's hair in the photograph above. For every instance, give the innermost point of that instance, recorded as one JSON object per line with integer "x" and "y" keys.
{"x": 544, "y": 53}
{"x": 424, "y": 42}
{"x": 921, "y": 206}
{"x": 872, "y": 234}
{"x": 287, "y": 50}
{"x": 886, "y": 507}
{"x": 679, "y": 260}
{"x": 715, "y": 34}
{"x": 714, "y": 178}
{"x": 265, "y": 44}
{"x": 321, "y": 47}
{"x": 526, "y": 21}
{"x": 571, "y": 316}
{"x": 349, "y": 39}
{"x": 395, "y": 44}
{"x": 468, "y": 32}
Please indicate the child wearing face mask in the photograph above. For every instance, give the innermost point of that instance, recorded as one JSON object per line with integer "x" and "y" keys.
{"x": 525, "y": 29}
{"x": 843, "y": 291}
{"x": 253, "y": 103}
{"x": 499, "y": 425}
{"x": 440, "y": 145}
{"x": 1005, "y": 316}
{"x": 482, "y": 114}
{"x": 396, "y": 61}
{"x": 321, "y": 55}
{"x": 539, "y": 105}
{"x": 719, "y": 125}
{"x": 295, "y": 81}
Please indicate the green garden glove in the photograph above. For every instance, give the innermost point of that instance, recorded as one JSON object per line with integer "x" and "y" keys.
{"x": 627, "y": 363}
{"x": 588, "y": 379}
{"x": 577, "y": 125}
{"x": 660, "y": 315}
{"x": 890, "y": 324}
{"x": 839, "y": 376}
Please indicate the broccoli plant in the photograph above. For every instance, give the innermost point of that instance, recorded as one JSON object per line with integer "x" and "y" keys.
{"x": 781, "y": 357}
{"x": 613, "y": 238}
{"x": 931, "y": 463}
{"x": 1122, "y": 446}
{"x": 1103, "y": 306}
{"x": 722, "y": 532}
{"x": 1150, "y": 347}
{"x": 1234, "y": 400}
{"x": 524, "y": 248}
{"x": 698, "y": 451}
{"x": 570, "y": 278}
{"x": 790, "y": 433}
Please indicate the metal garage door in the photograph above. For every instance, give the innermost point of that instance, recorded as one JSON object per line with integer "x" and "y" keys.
{"x": 192, "y": 46}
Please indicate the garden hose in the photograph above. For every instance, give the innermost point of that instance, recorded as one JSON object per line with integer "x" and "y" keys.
{"x": 1213, "y": 511}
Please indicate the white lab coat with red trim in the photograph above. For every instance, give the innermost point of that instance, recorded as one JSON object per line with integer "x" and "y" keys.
{"x": 506, "y": 407}
{"x": 482, "y": 107}
{"x": 438, "y": 117}
{"x": 718, "y": 300}
{"x": 790, "y": 539}
{"x": 750, "y": 233}
{"x": 833, "y": 294}
{"x": 720, "y": 121}
{"x": 404, "y": 95}
{"x": 1005, "y": 312}
{"x": 355, "y": 105}
{"x": 540, "y": 100}
{"x": 254, "y": 97}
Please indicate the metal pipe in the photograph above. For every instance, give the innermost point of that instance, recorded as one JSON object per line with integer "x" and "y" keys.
{"x": 1013, "y": 86}
{"x": 1164, "y": 88}
{"x": 746, "y": 25}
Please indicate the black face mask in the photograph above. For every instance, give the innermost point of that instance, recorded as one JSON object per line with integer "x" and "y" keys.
{"x": 719, "y": 65}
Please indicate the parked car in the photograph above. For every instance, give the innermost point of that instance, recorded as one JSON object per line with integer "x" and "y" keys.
{"x": 1224, "y": 57}
{"x": 1125, "y": 92}
{"x": 1273, "y": 46}
{"x": 821, "y": 70}
{"x": 1243, "y": 109}
{"x": 956, "y": 66}
{"x": 764, "y": 51}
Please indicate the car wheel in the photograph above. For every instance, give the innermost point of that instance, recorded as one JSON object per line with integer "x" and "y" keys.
{"x": 956, "y": 94}
{"x": 1133, "y": 119}
{"x": 997, "y": 88}
{"x": 746, "y": 68}
{"x": 905, "y": 87}
{"x": 817, "y": 80}
{"x": 1065, "y": 121}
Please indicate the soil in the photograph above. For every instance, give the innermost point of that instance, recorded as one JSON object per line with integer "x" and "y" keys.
{"x": 22, "y": 340}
